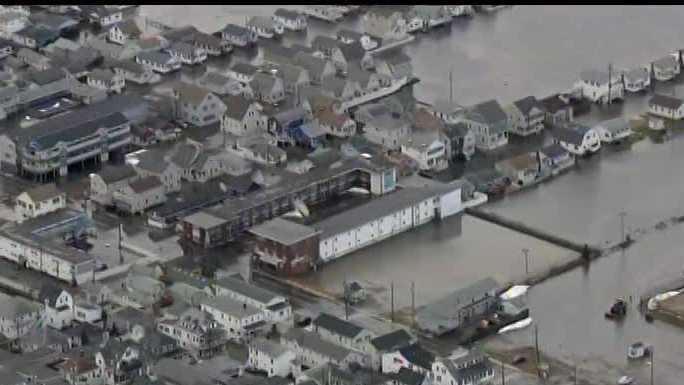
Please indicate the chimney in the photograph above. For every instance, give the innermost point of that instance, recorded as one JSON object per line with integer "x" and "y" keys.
{"x": 244, "y": 306}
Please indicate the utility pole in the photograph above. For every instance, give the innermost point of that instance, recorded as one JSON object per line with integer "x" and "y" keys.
{"x": 392, "y": 301}
{"x": 451, "y": 88}
{"x": 610, "y": 81}
{"x": 346, "y": 301}
{"x": 503, "y": 377}
{"x": 413, "y": 302}
{"x": 526, "y": 252}
{"x": 121, "y": 258}
{"x": 622, "y": 215}
{"x": 575, "y": 373}
{"x": 536, "y": 345}
{"x": 652, "y": 352}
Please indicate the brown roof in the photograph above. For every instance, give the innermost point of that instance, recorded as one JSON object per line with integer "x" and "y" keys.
{"x": 43, "y": 192}
{"x": 522, "y": 161}
{"x": 80, "y": 365}
{"x": 145, "y": 184}
{"x": 426, "y": 121}
{"x": 328, "y": 116}
{"x": 191, "y": 93}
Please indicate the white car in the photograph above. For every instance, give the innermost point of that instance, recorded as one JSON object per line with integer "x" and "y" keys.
{"x": 625, "y": 380}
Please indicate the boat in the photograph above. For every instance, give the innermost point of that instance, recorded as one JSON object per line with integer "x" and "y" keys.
{"x": 618, "y": 310}
{"x": 625, "y": 380}
{"x": 324, "y": 12}
{"x": 638, "y": 350}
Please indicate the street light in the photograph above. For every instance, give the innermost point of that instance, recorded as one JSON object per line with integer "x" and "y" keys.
{"x": 527, "y": 269}
{"x": 622, "y": 215}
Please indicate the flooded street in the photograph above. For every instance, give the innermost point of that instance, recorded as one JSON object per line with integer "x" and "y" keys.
{"x": 540, "y": 50}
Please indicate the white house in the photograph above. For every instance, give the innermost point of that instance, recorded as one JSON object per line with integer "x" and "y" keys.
{"x": 39, "y": 201}
{"x": 343, "y": 333}
{"x": 613, "y": 130}
{"x": 637, "y": 80}
{"x": 526, "y": 116}
{"x": 427, "y": 148}
{"x": 17, "y": 315}
{"x": 198, "y": 106}
{"x": 62, "y": 308}
{"x": 158, "y": 61}
{"x": 313, "y": 351}
{"x": 463, "y": 368}
{"x": 107, "y": 80}
{"x": 240, "y": 320}
{"x": 187, "y": 53}
{"x": 196, "y": 331}
{"x": 272, "y": 358}
{"x": 666, "y": 68}
{"x": 289, "y": 19}
{"x": 595, "y": 86}
{"x": 413, "y": 357}
{"x": 139, "y": 195}
{"x": 490, "y": 124}
{"x": 122, "y": 32}
{"x": 242, "y": 116}
{"x": 277, "y": 308}
{"x": 578, "y": 139}
{"x": 264, "y": 27}
{"x": 662, "y": 109}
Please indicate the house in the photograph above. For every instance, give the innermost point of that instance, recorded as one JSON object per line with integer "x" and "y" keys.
{"x": 407, "y": 377}
{"x": 522, "y": 170}
{"x": 134, "y": 72}
{"x": 664, "y": 110}
{"x": 81, "y": 370}
{"x": 238, "y": 36}
{"x": 124, "y": 31}
{"x": 267, "y": 88}
{"x": 463, "y": 367}
{"x": 328, "y": 48}
{"x": 138, "y": 291}
{"x": 333, "y": 123}
{"x": 198, "y": 164}
{"x": 367, "y": 81}
{"x": 395, "y": 64}
{"x": 313, "y": 351}
{"x": 62, "y": 308}
{"x": 147, "y": 163}
{"x": 127, "y": 51}
{"x": 63, "y": 24}
{"x": 242, "y": 72}
{"x": 264, "y": 27}
{"x": 272, "y": 358}
{"x": 490, "y": 124}
{"x": 158, "y": 61}
{"x": 102, "y": 15}
{"x": 276, "y": 307}
{"x": 383, "y": 127}
{"x": 139, "y": 195}
{"x": 219, "y": 84}
{"x": 259, "y": 150}
{"x": 558, "y": 109}
{"x": 197, "y": 106}
{"x": 555, "y": 157}
{"x": 613, "y": 130}
{"x": 242, "y": 116}
{"x": 343, "y": 333}
{"x": 462, "y": 307}
{"x": 195, "y": 331}
{"x": 187, "y": 53}
{"x": 109, "y": 179}
{"x": 289, "y": 19}
{"x": 460, "y": 141}
{"x": 637, "y": 80}
{"x": 577, "y": 138}
{"x": 412, "y": 357}
{"x": 12, "y": 22}
{"x": 354, "y": 53}
{"x": 597, "y": 87}
{"x": 34, "y": 37}
{"x": 389, "y": 343}
{"x": 17, "y": 315}
{"x": 427, "y": 148}
{"x": 274, "y": 53}
{"x": 318, "y": 69}
{"x": 34, "y": 59}
{"x": 341, "y": 89}
{"x": 284, "y": 246}
{"x": 385, "y": 22}
{"x": 213, "y": 45}
{"x": 107, "y": 80}
{"x": 39, "y": 201}
{"x": 526, "y": 116}
{"x": 665, "y": 68}
{"x": 240, "y": 320}
{"x": 293, "y": 77}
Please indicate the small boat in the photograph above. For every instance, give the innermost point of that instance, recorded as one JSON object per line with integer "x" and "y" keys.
{"x": 618, "y": 310}
{"x": 638, "y": 350}
{"x": 625, "y": 380}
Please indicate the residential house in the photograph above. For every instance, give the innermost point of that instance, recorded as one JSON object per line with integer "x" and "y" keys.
{"x": 264, "y": 26}
{"x": 461, "y": 141}
{"x": 259, "y": 150}
{"x": 124, "y": 31}
{"x": 460, "y": 308}
{"x": 12, "y": 22}
{"x": 613, "y": 130}
{"x": 521, "y": 170}
{"x": 329, "y": 48}
{"x": 103, "y": 15}
{"x": 526, "y": 116}
{"x": 267, "y": 88}
{"x": 274, "y": 53}
{"x": 238, "y": 36}
{"x": 139, "y": 291}
{"x": 220, "y": 84}
{"x": 637, "y": 80}
{"x": 368, "y": 81}
{"x": 276, "y": 307}
{"x": 34, "y": 37}
{"x": 385, "y": 22}
{"x": 33, "y": 59}
{"x": 195, "y": 331}
{"x": 665, "y": 68}
{"x": 333, "y": 123}
{"x": 39, "y": 201}
{"x": 147, "y": 163}
{"x": 109, "y": 179}
{"x": 343, "y": 333}
{"x": 213, "y": 45}
{"x": 663, "y": 110}
{"x": 463, "y": 367}
{"x": 407, "y": 377}
{"x": 289, "y": 19}
{"x": 597, "y": 87}
{"x": 413, "y": 357}
{"x": 577, "y": 138}
{"x": 293, "y": 77}
{"x": 355, "y": 54}
{"x": 427, "y": 148}
{"x": 187, "y": 53}
{"x": 383, "y": 127}
{"x": 318, "y": 69}
{"x": 389, "y": 343}
{"x": 82, "y": 370}
{"x": 9, "y": 102}
{"x": 489, "y": 123}
{"x": 341, "y": 89}
{"x": 107, "y": 80}
{"x": 63, "y": 24}
{"x": 558, "y": 109}
{"x": 242, "y": 72}
{"x": 62, "y": 308}
{"x": 313, "y": 351}
{"x": 241, "y": 321}
{"x": 158, "y": 61}
{"x": 270, "y": 357}
{"x": 197, "y": 106}
{"x": 17, "y": 315}
{"x": 242, "y": 116}
{"x": 134, "y": 72}
{"x": 395, "y": 64}
{"x": 139, "y": 195}
{"x": 120, "y": 362}
{"x": 555, "y": 157}
{"x": 127, "y": 51}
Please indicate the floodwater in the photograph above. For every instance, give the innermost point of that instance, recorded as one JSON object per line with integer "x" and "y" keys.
{"x": 539, "y": 50}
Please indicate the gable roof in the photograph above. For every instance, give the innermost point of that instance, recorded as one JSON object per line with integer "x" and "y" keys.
{"x": 324, "y": 42}
{"x": 238, "y": 285}
{"x": 314, "y": 65}
{"x": 555, "y": 103}
{"x": 417, "y": 355}
{"x": 112, "y": 174}
{"x": 566, "y": 134}
{"x": 312, "y": 341}
{"x": 554, "y": 150}
{"x": 337, "y": 326}
{"x": 129, "y": 28}
{"x": 145, "y": 184}
{"x": 243, "y": 68}
{"x": 49, "y": 292}
{"x": 236, "y": 106}
{"x": 666, "y": 101}
{"x": 44, "y": 192}
{"x": 235, "y": 30}
{"x": 159, "y": 57}
{"x": 489, "y": 111}
{"x": 287, "y": 13}
{"x": 283, "y": 231}
{"x": 192, "y": 94}
{"x": 594, "y": 76}
{"x": 395, "y": 340}
{"x": 526, "y": 104}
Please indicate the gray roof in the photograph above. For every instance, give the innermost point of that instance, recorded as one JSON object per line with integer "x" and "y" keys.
{"x": 594, "y": 76}
{"x": 287, "y": 13}
{"x": 570, "y": 133}
{"x": 185, "y": 155}
{"x": 244, "y": 68}
{"x": 666, "y": 101}
{"x": 457, "y": 130}
{"x": 104, "y": 75}
{"x": 46, "y": 76}
{"x": 283, "y": 231}
{"x": 407, "y": 376}
{"x": 417, "y": 355}
{"x": 353, "y": 51}
{"x": 44, "y": 192}
{"x": 453, "y": 302}
{"x": 145, "y": 184}
{"x": 337, "y": 325}
{"x": 128, "y": 65}
{"x": 159, "y": 57}
{"x": 238, "y": 285}
{"x": 489, "y": 112}
{"x": 666, "y": 62}
{"x": 40, "y": 34}
{"x": 392, "y": 341}
{"x": 49, "y": 292}
{"x": 312, "y": 64}
{"x": 236, "y": 106}
{"x": 554, "y": 150}
{"x": 261, "y": 22}
{"x": 204, "y": 220}
{"x": 230, "y": 306}
{"x": 376, "y": 208}
{"x": 129, "y": 28}
{"x": 325, "y": 43}
{"x": 614, "y": 125}
{"x": 235, "y": 30}
{"x": 637, "y": 74}
{"x": 13, "y": 306}
{"x": 182, "y": 48}
{"x": 312, "y": 341}
{"x": 526, "y": 104}
{"x": 270, "y": 348}
{"x": 263, "y": 81}
{"x": 349, "y": 34}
